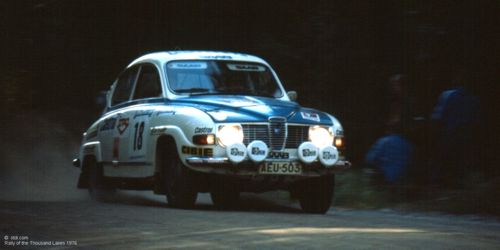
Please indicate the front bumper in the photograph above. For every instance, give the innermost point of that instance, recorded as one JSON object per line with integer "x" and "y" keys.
{"x": 222, "y": 165}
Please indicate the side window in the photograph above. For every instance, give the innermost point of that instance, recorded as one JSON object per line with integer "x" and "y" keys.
{"x": 124, "y": 86}
{"x": 148, "y": 84}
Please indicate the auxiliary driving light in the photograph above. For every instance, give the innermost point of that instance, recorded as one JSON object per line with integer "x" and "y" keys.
{"x": 257, "y": 151}
{"x": 236, "y": 152}
{"x": 308, "y": 152}
{"x": 328, "y": 156}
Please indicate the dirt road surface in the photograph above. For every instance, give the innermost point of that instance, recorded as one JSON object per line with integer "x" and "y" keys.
{"x": 140, "y": 220}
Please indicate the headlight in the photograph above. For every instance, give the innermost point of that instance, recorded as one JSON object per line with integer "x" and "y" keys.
{"x": 320, "y": 136}
{"x": 230, "y": 134}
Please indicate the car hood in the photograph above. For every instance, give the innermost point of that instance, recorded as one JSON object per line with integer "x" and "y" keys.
{"x": 236, "y": 108}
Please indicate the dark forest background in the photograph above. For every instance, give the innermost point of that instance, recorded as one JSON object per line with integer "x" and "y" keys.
{"x": 57, "y": 55}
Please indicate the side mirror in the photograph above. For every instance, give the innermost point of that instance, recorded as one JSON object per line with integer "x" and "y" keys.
{"x": 292, "y": 95}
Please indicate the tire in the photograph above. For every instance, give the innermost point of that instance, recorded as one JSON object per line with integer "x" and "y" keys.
{"x": 178, "y": 181}
{"x": 316, "y": 194}
{"x": 98, "y": 188}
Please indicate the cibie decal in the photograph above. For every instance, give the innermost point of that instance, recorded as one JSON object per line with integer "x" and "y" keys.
{"x": 310, "y": 116}
{"x": 197, "y": 151}
{"x": 122, "y": 125}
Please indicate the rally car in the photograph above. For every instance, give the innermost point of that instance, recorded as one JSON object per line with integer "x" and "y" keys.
{"x": 183, "y": 122}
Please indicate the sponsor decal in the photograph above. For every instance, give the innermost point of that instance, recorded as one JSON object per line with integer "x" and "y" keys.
{"x": 308, "y": 152}
{"x": 158, "y": 130}
{"x": 278, "y": 155}
{"x": 108, "y": 124}
{"x": 237, "y": 152}
{"x": 246, "y": 67}
{"x": 237, "y": 102}
{"x": 143, "y": 113}
{"x": 202, "y": 130}
{"x": 166, "y": 113}
{"x": 339, "y": 132}
{"x": 257, "y": 151}
{"x": 187, "y": 65}
{"x": 122, "y": 125}
{"x": 216, "y": 57}
{"x": 310, "y": 116}
{"x": 197, "y": 151}
{"x": 327, "y": 155}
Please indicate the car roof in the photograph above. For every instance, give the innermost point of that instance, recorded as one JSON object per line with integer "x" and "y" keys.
{"x": 166, "y": 56}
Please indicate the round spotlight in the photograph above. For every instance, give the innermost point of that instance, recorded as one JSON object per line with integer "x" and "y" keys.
{"x": 236, "y": 152}
{"x": 308, "y": 152}
{"x": 257, "y": 151}
{"x": 328, "y": 156}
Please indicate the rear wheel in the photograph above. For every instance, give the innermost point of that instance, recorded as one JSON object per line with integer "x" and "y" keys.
{"x": 99, "y": 190}
{"x": 178, "y": 181}
{"x": 316, "y": 194}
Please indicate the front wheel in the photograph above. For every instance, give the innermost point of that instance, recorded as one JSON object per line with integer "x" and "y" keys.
{"x": 98, "y": 188}
{"x": 316, "y": 194}
{"x": 178, "y": 182}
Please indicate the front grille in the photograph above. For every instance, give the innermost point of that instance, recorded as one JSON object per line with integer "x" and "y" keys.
{"x": 296, "y": 136}
{"x": 277, "y": 135}
{"x": 254, "y": 132}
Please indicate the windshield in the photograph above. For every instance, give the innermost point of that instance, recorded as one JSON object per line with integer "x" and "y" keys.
{"x": 202, "y": 77}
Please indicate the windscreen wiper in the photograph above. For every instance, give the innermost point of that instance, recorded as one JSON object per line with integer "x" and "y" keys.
{"x": 192, "y": 91}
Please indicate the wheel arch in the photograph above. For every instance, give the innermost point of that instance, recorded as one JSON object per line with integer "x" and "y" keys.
{"x": 83, "y": 180}
{"x": 163, "y": 146}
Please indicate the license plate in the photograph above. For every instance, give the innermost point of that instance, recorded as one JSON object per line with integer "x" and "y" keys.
{"x": 286, "y": 168}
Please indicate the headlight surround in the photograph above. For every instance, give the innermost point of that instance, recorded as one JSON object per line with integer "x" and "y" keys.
{"x": 321, "y": 136}
{"x": 229, "y": 134}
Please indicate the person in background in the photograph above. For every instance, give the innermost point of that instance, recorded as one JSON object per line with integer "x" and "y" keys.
{"x": 391, "y": 155}
{"x": 455, "y": 118}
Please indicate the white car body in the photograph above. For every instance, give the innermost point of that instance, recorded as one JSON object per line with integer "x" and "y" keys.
{"x": 124, "y": 140}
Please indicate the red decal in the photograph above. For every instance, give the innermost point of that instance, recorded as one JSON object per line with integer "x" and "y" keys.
{"x": 116, "y": 148}
{"x": 122, "y": 125}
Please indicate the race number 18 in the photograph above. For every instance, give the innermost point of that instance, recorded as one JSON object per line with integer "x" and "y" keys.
{"x": 138, "y": 132}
